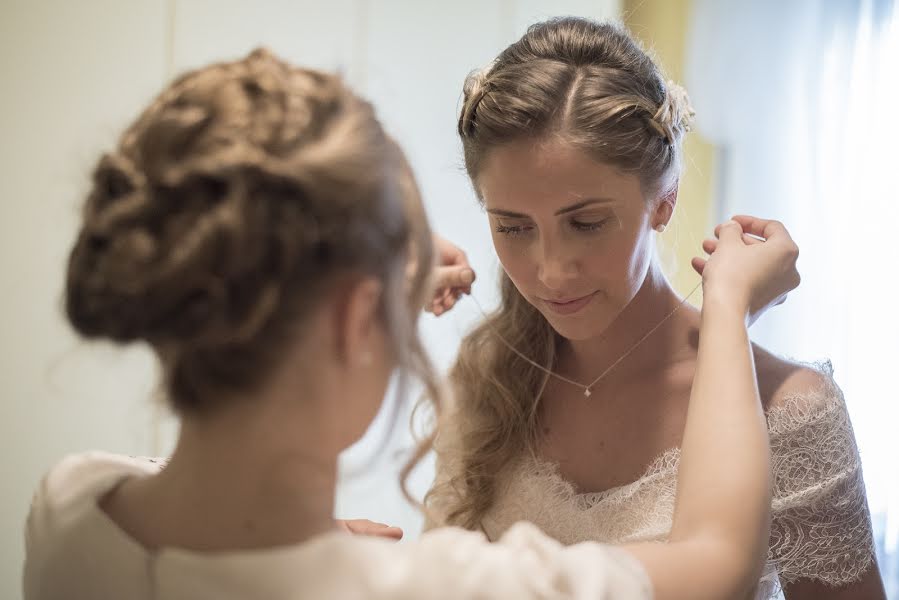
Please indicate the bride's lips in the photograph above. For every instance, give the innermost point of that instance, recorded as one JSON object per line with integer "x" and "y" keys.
{"x": 569, "y": 307}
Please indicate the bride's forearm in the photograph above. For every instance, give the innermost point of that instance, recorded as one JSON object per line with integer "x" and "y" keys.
{"x": 721, "y": 518}
{"x": 724, "y": 474}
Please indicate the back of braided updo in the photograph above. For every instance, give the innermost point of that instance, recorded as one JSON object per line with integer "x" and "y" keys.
{"x": 225, "y": 212}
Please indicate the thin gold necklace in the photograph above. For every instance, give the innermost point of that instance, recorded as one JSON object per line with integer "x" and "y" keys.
{"x": 587, "y": 387}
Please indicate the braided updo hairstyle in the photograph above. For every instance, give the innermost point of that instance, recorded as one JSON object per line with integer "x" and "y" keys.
{"x": 591, "y": 86}
{"x": 225, "y": 213}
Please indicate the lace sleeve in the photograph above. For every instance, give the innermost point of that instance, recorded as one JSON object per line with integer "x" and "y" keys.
{"x": 821, "y": 527}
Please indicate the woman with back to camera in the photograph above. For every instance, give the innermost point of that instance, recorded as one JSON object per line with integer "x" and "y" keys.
{"x": 261, "y": 233}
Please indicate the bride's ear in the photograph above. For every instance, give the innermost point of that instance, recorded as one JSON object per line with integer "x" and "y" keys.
{"x": 664, "y": 210}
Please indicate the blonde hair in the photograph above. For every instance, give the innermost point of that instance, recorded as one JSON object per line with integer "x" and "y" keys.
{"x": 228, "y": 210}
{"x": 592, "y": 86}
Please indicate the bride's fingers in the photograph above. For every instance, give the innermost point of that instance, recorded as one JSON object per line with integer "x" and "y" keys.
{"x": 440, "y": 302}
{"x": 444, "y": 300}
{"x": 763, "y": 228}
{"x": 710, "y": 245}
{"x": 750, "y": 239}
{"x": 698, "y": 264}
{"x": 449, "y": 302}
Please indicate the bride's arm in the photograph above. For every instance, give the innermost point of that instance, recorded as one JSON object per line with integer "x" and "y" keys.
{"x": 720, "y": 527}
{"x": 719, "y": 534}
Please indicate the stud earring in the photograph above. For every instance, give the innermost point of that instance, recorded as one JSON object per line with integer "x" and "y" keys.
{"x": 661, "y": 227}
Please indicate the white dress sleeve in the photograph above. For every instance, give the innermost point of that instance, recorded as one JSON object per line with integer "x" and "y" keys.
{"x": 821, "y": 526}
{"x": 457, "y": 564}
{"x": 76, "y": 552}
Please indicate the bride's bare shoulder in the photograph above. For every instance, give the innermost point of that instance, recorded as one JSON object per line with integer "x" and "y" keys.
{"x": 781, "y": 379}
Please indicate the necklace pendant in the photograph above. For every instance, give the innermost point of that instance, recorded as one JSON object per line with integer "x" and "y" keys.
{"x": 586, "y": 392}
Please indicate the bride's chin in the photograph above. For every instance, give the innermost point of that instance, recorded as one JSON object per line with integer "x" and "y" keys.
{"x": 576, "y": 334}
{"x": 574, "y": 331}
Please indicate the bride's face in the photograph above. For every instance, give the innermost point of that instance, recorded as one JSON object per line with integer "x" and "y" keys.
{"x": 574, "y": 235}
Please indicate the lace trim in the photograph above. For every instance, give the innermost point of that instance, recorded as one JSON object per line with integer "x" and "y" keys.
{"x": 821, "y": 528}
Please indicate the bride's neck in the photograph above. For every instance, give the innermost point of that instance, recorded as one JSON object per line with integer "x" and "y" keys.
{"x": 654, "y": 301}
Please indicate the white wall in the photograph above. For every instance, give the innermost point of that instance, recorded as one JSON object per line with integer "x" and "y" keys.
{"x": 74, "y": 73}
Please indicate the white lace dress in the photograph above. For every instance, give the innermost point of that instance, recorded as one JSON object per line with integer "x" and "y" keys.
{"x": 821, "y": 527}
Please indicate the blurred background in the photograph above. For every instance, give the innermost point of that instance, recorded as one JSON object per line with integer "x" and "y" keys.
{"x": 796, "y": 120}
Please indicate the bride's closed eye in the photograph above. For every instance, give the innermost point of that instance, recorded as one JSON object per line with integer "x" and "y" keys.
{"x": 590, "y": 226}
{"x": 513, "y": 230}
{"x": 579, "y": 225}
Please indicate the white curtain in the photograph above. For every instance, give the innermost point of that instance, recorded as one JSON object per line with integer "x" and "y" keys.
{"x": 801, "y": 97}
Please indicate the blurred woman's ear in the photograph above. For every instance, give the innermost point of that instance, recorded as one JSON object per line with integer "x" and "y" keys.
{"x": 359, "y": 320}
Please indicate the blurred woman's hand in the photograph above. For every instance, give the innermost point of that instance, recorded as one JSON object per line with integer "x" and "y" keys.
{"x": 366, "y": 527}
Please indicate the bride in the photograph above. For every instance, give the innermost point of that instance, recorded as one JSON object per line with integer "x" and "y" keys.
{"x": 570, "y": 399}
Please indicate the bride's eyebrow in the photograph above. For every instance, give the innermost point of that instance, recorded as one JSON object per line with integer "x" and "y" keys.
{"x": 582, "y": 204}
{"x": 516, "y": 215}
{"x": 499, "y": 212}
